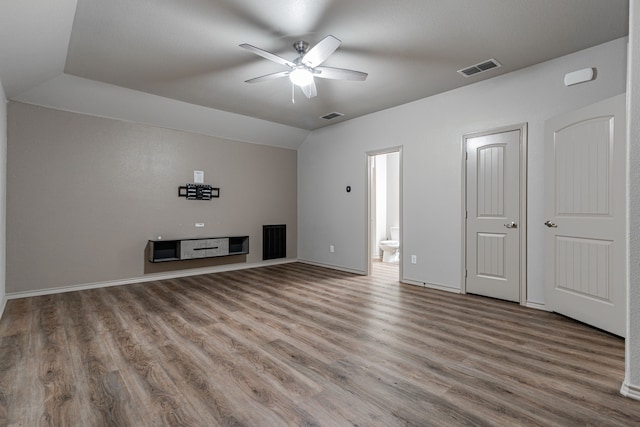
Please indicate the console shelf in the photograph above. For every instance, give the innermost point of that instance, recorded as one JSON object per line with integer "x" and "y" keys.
{"x": 207, "y": 247}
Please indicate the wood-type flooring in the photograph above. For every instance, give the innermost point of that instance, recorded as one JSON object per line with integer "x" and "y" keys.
{"x": 301, "y": 345}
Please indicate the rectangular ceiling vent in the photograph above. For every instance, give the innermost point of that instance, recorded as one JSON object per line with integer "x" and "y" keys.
{"x": 480, "y": 68}
{"x": 332, "y": 115}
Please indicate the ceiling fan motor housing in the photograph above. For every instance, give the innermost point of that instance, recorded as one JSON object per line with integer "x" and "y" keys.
{"x": 301, "y": 47}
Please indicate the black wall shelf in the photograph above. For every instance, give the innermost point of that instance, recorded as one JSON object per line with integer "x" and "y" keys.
{"x": 208, "y": 247}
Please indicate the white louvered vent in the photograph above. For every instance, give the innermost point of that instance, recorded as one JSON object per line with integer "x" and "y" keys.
{"x": 332, "y": 115}
{"x": 480, "y": 68}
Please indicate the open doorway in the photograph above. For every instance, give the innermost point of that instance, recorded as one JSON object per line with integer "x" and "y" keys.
{"x": 384, "y": 211}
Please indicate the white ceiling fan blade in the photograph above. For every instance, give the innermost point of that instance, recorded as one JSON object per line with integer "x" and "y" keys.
{"x": 268, "y": 77}
{"x": 310, "y": 90}
{"x": 270, "y": 56}
{"x": 320, "y": 52}
{"x": 339, "y": 74}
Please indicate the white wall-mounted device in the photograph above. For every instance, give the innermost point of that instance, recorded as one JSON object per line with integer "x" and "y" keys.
{"x": 579, "y": 76}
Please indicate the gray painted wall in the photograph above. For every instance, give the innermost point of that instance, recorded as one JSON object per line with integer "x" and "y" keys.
{"x": 85, "y": 193}
{"x": 3, "y": 192}
{"x": 631, "y": 386}
{"x": 431, "y": 131}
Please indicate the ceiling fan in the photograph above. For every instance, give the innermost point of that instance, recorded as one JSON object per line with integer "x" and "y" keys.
{"x": 305, "y": 67}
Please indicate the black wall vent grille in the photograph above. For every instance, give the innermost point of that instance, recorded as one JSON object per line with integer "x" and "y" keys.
{"x": 274, "y": 241}
{"x": 332, "y": 115}
{"x": 480, "y": 68}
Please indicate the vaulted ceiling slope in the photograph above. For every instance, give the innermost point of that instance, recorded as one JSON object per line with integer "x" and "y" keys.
{"x": 188, "y": 50}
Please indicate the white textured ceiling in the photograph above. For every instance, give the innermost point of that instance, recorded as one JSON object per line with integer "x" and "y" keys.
{"x": 34, "y": 37}
{"x": 188, "y": 50}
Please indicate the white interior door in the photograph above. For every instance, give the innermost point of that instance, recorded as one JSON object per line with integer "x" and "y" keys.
{"x": 493, "y": 215}
{"x": 585, "y": 193}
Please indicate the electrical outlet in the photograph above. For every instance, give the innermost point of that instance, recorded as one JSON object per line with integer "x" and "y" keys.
{"x": 199, "y": 224}
{"x": 414, "y": 259}
{"x": 332, "y": 249}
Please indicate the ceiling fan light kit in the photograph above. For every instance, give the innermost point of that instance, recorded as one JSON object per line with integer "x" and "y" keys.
{"x": 301, "y": 76}
{"x": 306, "y": 66}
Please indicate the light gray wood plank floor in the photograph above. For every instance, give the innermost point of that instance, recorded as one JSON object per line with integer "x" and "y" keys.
{"x": 305, "y": 346}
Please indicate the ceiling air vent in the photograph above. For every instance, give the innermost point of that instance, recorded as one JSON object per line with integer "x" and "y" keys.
{"x": 480, "y": 68}
{"x": 332, "y": 115}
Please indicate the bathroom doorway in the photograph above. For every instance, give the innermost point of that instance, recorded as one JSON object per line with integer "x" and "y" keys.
{"x": 384, "y": 212}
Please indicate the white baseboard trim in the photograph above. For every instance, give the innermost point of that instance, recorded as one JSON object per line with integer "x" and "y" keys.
{"x": 149, "y": 278}
{"x": 333, "y": 267}
{"x": 431, "y": 286}
{"x": 630, "y": 390}
{"x": 537, "y": 306}
{"x": 362, "y": 273}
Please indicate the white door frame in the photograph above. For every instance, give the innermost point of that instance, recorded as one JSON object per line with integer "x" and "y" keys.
{"x": 522, "y": 225}
{"x": 368, "y": 201}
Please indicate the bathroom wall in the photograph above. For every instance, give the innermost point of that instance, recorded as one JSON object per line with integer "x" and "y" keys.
{"x": 381, "y": 231}
{"x": 387, "y": 197}
{"x": 393, "y": 191}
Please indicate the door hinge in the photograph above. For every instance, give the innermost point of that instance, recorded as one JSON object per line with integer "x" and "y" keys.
{"x": 465, "y": 273}
{"x": 466, "y": 214}
{"x": 466, "y": 156}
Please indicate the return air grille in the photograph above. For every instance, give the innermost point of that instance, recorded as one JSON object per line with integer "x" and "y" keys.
{"x": 480, "y": 68}
{"x": 274, "y": 241}
{"x": 332, "y": 115}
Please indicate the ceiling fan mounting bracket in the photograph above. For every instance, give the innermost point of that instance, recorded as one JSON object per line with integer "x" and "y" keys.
{"x": 301, "y": 47}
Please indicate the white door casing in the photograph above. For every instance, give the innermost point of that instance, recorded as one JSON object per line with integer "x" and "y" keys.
{"x": 585, "y": 209}
{"x": 494, "y": 226}
{"x": 370, "y": 204}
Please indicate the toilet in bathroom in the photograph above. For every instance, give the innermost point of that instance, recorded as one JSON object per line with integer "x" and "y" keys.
{"x": 391, "y": 248}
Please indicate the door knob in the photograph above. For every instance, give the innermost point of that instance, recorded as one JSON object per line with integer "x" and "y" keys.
{"x": 511, "y": 225}
{"x": 551, "y": 224}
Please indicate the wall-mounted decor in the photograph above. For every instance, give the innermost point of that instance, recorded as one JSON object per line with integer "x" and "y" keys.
{"x": 198, "y": 192}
